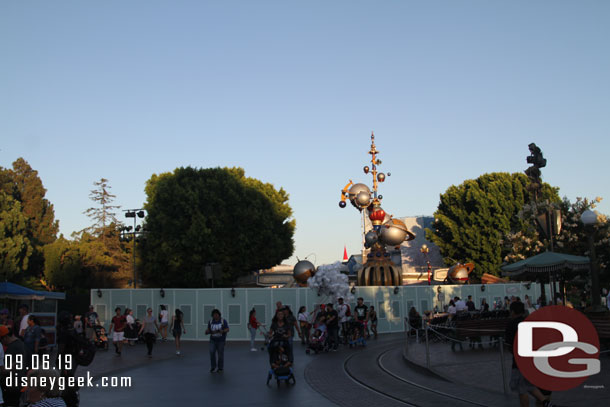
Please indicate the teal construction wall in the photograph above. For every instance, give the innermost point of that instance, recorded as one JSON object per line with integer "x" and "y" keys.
{"x": 197, "y": 304}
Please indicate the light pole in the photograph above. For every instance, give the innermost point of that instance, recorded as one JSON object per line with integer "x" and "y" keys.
{"x": 128, "y": 233}
{"x": 425, "y": 250}
{"x": 589, "y": 219}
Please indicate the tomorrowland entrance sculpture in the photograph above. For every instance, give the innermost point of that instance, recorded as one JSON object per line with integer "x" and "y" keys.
{"x": 387, "y": 231}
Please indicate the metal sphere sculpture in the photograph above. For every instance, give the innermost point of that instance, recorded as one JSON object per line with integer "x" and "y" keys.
{"x": 302, "y": 271}
{"x": 379, "y": 268}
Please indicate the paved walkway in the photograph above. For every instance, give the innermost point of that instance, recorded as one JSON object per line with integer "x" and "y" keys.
{"x": 168, "y": 380}
{"x": 481, "y": 369}
{"x": 375, "y": 375}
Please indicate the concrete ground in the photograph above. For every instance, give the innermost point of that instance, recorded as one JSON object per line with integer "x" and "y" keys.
{"x": 482, "y": 369}
{"x": 375, "y": 375}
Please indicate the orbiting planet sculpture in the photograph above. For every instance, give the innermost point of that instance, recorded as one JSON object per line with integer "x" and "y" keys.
{"x": 378, "y": 269}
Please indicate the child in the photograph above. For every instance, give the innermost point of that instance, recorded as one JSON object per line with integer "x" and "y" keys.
{"x": 281, "y": 364}
{"x": 78, "y": 325}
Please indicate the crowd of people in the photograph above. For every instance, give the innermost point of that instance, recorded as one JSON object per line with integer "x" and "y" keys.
{"x": 126, "y": 330}
{"x": 24, "y": 340}
{"x": 324, "y": 328}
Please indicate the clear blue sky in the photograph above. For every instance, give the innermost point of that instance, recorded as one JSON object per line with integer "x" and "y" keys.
{"x": 290, "y": 91}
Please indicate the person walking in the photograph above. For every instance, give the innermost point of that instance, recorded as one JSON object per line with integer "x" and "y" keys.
{"x": 253, "y": 325}
{"x": 344, "y": 315}
{"x": 332, "y": 324}
{"x": 178, "y": 328}
{"x": 164, "y": 320}
{"x": 373, "y": 319}
{"x": 118, "y": 325}
{"x": 217, "y": 329}
{"x": 303, "y": 319}
{"x": 131, "y": 329}
{"x": 150, "y": 329}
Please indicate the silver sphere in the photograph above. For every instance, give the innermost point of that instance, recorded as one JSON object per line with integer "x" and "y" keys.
{"x": 354, "y": 193}
{"x": 356, "y": 189}
{"x": 363, "y": 199}
{"x": 370, "y": 238}
{"x": 393, "y": 232}
{"x": 381, "y": 177}
{"x": 303, "y": 270}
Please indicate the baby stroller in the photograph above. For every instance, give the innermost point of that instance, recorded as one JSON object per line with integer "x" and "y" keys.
{"x": 261, "y": 329}
{"x": 101, "y": 340}
{"x": 317, "y": 342}
{"x": 280, "y": 362}
{"x": 355, "y": 330}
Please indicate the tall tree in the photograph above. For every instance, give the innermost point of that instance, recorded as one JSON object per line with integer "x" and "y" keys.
{"x": 473, "y": 218}
{"x": 214, "y": 215}
{"x": 102, "y": 254}
{"x": 103, "y": 214}
{"x": 15, "y": 246}
{"x": 25, "y": 187}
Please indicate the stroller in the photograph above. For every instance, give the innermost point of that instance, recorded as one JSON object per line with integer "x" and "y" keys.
{"x": 317, "y": 342}
{"x": 355, "y": 333}
{"x": 261, "y": 329}
{"x": 280, "y": 362}
{"x": 101, "y": 340}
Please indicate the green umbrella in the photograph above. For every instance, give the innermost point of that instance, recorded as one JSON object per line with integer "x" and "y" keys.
{"x": 544, "y": 263}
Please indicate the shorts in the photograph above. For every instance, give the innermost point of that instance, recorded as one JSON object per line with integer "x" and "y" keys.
{"x": 118, "y": 336}
{"x": 519, "y": 383}
{"x": 164, "y": 323}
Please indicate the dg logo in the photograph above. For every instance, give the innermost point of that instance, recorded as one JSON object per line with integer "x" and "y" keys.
{"x": 557, "y": 348}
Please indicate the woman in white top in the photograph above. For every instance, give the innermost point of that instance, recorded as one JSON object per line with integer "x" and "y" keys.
{"x": 164, "y": 320}
{"x": 304, "y": 324}
{"x": 131, "y": 331}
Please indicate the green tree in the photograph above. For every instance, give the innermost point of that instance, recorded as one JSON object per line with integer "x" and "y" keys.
{"x": 103, "y": 256}
{"x": 25, "y": 187}
{"x": 473, "y": 218}
{"x": 214, "y": 215}
{"x": 103, "y": 214}
{"x": 63, "y": 266}
{"x": 15, "y": 246}
{"x": 24, "y": 184}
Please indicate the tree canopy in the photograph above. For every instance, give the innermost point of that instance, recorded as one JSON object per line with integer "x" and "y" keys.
{"x": 473, "y": 218}
{"x": 15, "y": 246}
{"x": 27, "y": 222}
{"x": 213, "y": 215}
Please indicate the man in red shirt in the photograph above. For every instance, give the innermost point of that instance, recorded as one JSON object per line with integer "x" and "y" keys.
{"x": 118, "y": 323}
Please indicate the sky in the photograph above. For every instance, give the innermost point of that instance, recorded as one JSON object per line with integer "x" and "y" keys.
{"x": 290, "y": 91}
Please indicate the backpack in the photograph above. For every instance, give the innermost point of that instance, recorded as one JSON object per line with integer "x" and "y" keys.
{"x": 85, "y": 351}
{"x": 348, "y": 312}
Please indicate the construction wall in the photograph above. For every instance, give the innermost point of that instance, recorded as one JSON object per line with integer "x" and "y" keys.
{"x": 197, "y": 304}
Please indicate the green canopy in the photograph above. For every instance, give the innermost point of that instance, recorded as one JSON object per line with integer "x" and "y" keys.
{"x": 547, "y": 262}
